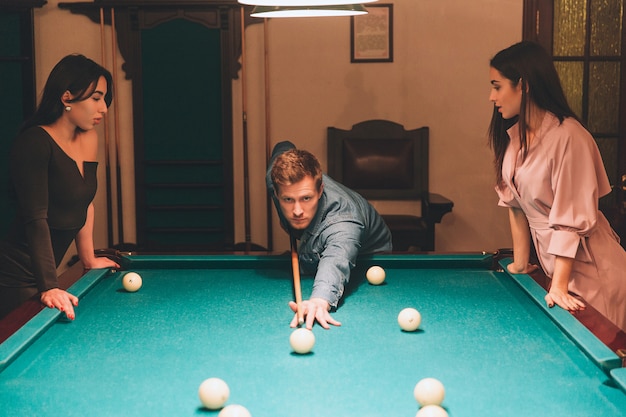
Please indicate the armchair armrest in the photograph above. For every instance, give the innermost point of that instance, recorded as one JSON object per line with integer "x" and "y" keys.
{"x": 435, "y": 206}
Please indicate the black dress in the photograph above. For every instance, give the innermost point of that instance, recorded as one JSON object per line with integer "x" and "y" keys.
{"x": 52, "y": 198}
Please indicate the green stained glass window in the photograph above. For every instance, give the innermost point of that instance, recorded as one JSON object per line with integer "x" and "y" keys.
{"x": 571, "y": 74}
{"x": 604, "y": 97}
{"x": 606, "y": 27}
{"x": 569, "y": 27}
{"x": 587, "y": 49}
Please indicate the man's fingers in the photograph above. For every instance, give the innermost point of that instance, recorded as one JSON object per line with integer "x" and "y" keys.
{"x": 312, "y": 313}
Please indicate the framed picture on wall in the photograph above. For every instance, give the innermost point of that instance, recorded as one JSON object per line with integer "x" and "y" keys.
{"x": 371, "y": 35}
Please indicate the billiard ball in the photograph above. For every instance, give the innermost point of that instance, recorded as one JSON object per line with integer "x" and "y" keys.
{"x": 213, "y": 393}
{"x": 131, "y": 281}
{"x": 234, "y": 410}
{"x": 302, "y": 340}
{"x": 409, "y": 319}
{"x": 375, "y": 275}
{"x": 429, "y": 391}
{"x": 432, "y": 411}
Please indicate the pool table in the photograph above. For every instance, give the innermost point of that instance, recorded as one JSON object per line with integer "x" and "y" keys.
{"x": 485, "y": 334}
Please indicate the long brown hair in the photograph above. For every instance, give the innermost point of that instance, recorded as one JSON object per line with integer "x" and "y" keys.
{"x": 74, "y": 73}
{"x": 529, "y": 64}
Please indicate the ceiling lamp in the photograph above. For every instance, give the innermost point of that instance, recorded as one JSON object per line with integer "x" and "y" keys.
{"x": 308, "y": 11}
{"x": 303, "y": 3}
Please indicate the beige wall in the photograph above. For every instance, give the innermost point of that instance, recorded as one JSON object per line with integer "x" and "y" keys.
{"x": 438, "y": 79}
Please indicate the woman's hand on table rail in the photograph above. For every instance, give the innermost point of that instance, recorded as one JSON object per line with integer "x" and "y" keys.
{"x": 564, "y": 300}
{"x": 529, "y": 268}
{"x": 61, "y": 299}
{"x": 100, "y": 262}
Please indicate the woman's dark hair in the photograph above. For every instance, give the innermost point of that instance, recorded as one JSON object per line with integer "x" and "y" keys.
{"x": 527, "y": 63}
{"x": 77, "y": 74}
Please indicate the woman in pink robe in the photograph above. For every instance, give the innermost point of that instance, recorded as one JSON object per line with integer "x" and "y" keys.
{"x": 550, "y": 176}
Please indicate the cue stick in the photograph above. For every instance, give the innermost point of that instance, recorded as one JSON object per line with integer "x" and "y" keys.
{"x": 106, "y": 145}
{"x": 268, "y": 151}
{"x": 116, "y": 117}
{"x": 295, "y": 266}
{"x": 244, "y": 113}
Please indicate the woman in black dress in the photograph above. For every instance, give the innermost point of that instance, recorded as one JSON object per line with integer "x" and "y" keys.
{"x": 53, "y": 181}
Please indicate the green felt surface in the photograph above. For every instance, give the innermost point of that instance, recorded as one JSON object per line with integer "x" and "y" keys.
{"x": 496, "y": 350}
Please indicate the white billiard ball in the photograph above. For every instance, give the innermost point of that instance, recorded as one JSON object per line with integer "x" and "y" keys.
{"x": 409, "y": 319}
{"x": 432, "y": 411}
{"x": 132, "y": 281}
{"x": 302, "y": 340}
{"x": 375, "y": 275}
{"x": 213, "y": 393}
{"x": 234, "y": 410}
{"x": 429, "y": 391}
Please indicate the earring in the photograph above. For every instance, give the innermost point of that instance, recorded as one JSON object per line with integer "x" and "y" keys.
{"x": 68, "y": 108}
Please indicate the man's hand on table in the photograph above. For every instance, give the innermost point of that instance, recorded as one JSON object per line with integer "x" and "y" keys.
{"x": 315, "y": 309}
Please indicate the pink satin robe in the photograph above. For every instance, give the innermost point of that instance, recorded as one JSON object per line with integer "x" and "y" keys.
{"x": 558, "y": 187}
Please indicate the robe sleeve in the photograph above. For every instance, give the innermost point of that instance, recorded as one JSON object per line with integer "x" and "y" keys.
{"x": 578, "y": 181}
{"x": 506, "y": 197}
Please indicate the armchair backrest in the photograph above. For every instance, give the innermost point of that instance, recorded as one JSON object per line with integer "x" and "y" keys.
{"x": 380, "y": 160}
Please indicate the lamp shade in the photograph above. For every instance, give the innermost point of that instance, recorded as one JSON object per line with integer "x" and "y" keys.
{"x": 303, "y": 3}
{"x": 308, "y": 11}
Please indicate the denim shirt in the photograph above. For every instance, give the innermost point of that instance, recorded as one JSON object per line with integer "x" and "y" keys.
{"x": 345, "y": 226}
